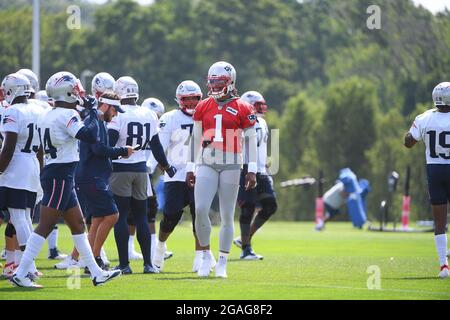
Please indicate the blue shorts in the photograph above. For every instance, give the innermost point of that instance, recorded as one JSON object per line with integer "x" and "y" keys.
{"x": 59, "y": 194}
{"x": 263, "y": 190}
{"x": 98, "y": 199}
{"x": 83, "y": 205}
{"x": 438, "y": 183}
{"x": 178, "y": 195}
{"x": 16, "y": 198}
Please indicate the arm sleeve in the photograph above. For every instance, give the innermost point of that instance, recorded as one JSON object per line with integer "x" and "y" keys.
{"x": 415, "y": 130}
{"x": 158, "y": 151}
{"x": 101, "y": 149}
{"x": 10, "y": 121}
{"x": 87, "y": 132}
{"x": 113, "y": 137}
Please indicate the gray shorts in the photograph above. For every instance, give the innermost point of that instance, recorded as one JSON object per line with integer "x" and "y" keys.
{"x": 130, "y": 184}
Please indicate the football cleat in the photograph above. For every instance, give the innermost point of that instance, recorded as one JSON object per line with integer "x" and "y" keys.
{"x": 24, "y": 282}
{"x": 9, "y": 270}
{"x": 158, "y": 260}
{"x": 444, "y": 272}
{"x": 124, "y": 270}
{"x": 197, "y": 262}
{"x": 238, "y": 242}
{"x": 56, "y": 255}
{"x": 69, "y": 262}
{"x": 221, "y": 269}
{"x": 248, "y": 254}
{"x": 133, "y": 255}
{"x": 168, "y": 255}
{"x": 150, "y": 269}
{"x": 105, "y": 277}
{"x": 206, "y": 263}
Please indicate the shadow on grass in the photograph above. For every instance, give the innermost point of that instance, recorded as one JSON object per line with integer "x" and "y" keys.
{"x": 189, "y": 278}
{"x": 17, "y": 289}
{"x": 412, "y": 278}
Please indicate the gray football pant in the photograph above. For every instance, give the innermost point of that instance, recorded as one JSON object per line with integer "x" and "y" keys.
{"x": 209, "y": 181}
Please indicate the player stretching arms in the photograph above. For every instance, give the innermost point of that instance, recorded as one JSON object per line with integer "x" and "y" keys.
{"x": 263, "y": 193}
{"x": 136, "y": 127}
{"x": 218, "y": 124}
{"x": 59, "y": 128}
{"x": 175, "y": 132}
{"x": 19, "y": 166}
{"x": 433, "y": 128}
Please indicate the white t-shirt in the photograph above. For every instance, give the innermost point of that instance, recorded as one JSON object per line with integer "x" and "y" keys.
{"x": 57, "y": 129}
{"x": 136, "y": 126}
{"x": 433, "y": 127}
{"x": 23, "y": 170}
{"x": 175, "y": 132}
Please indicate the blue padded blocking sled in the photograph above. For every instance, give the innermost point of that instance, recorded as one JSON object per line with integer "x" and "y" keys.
{"x": 355, "y": 206}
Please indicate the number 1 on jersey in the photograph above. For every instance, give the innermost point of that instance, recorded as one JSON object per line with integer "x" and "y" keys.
{"x": 218, "y": 133}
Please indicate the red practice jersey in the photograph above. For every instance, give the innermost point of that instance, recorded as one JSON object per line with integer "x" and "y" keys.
{"x": 223, "y": 127}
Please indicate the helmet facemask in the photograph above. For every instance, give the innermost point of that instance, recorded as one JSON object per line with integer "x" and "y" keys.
{"x": 219, "y": 87}
{"x": 188, "y": 103}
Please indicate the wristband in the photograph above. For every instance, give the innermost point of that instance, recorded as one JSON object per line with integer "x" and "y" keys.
{"x": 190, "y": 167}
{"x": 252, "y": 167}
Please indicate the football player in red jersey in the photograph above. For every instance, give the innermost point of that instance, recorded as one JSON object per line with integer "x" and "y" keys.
{"x": 219, "y": 122}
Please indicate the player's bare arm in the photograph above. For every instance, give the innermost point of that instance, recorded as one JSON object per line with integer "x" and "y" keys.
{"x": 9, "y": 144}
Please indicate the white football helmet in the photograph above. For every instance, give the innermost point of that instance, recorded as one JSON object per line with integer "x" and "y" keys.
{"x": 155, "y": 105}
{"x": 42, "y": 96}
{"x": 101, "y": 83}
{"x": 14, "y": 85}
{"x": 126, "y": 87}
{"x": 186, "y": 89}
{"x": 257, "y": 100}
{"x": 221, "y": 79}
{"x": 32, "y": 78}
{"x": 441, "y": 94}
{"x": 64, "y": 86}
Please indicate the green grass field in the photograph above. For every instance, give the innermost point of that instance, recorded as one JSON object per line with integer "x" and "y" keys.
{"x": 299, "y": 263}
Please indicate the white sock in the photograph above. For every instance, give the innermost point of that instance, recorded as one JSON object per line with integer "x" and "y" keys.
{"x": 34, "y": 246}
{"x": 441, "y": 246}
{"x": 86, "y": 255}
{"x": 53, "y": 239}
{"x": 103, "y": 255}
{"x": 10, "y": 256}
{"x": 17, "y": 256}
{"x": 131, "y": 244}
{"x": 223, "y": 257}
{"x": 198, "y": 253}
{"x": 153, "y": 245}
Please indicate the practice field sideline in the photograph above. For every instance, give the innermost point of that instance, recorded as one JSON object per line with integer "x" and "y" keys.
{"x": 299, "y": 263}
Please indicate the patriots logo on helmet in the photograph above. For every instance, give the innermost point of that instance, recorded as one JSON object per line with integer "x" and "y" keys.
{"x": 97, "y": 81}
{"x": 63, "y": 78}
{"x": 227, "y": 68}
{"x": 252, "y": 117}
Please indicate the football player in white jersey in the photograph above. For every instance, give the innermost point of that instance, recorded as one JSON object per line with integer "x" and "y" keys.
{"x": 263, "y": 193}
{"x": 157, "y": 107}
{"x": 432, "y": 127}
{"x": 175, "y": 133}
{"x": 42, "y": 101}
{"x": 129, "y": 181}
{"x": 19, "y": 166}
{"x": 59, "y": 129}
